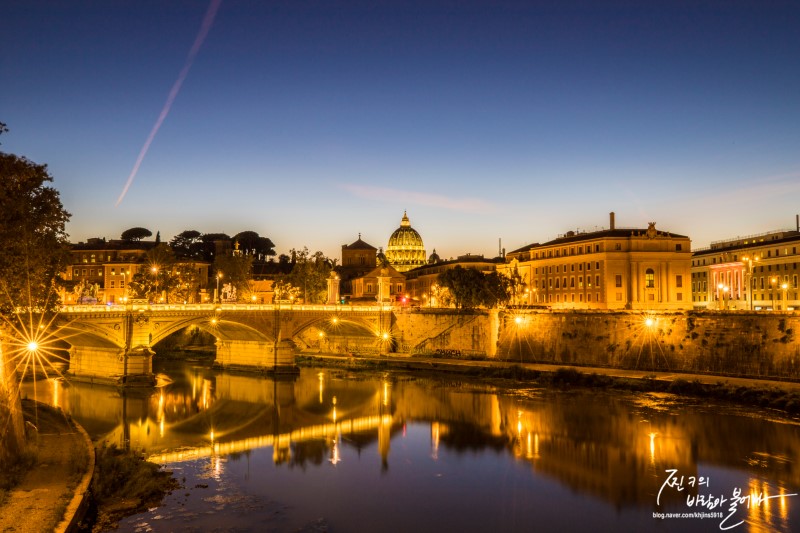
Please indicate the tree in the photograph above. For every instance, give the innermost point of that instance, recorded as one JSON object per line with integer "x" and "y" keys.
{"x": 135, "y": 234}
{"x": 34, "y": 253}
{"x": 159, "y": 278}
{"x": 187, "y": 244}
{"x": 252, "y": 243}
{"x": 310, "y": 275}
{"x": 469, "y": 288}
{"x": 208, "y": 246}
{"x": 237, "y": 270}
{"x": 32, "y": 236}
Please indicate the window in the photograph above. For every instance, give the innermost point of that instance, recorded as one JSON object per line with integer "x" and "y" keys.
{"x": 597, "y": 281}
{"x": 649, "y": 278}
{"x": 596, "y": 247}
{"x": 572, "y": 282}
{"x": 597, "y": 265}
{"x": 618, "y": 281}
{"x": 557, "y": 283}
{"x": 678, "y": 247}
{"x": 617, "y": 246}
{"x": 619, "y": 296}
{"x": 679, "y": 281}
{"x": 679, "y": 296}
{"x": 112, "y": 284}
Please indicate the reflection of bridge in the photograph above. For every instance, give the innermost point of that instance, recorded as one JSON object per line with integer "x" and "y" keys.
{"x": 115, "y": 341}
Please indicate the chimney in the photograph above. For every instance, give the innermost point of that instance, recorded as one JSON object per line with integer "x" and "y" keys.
{"x": 797, "y": 221}
{"x": 611, "y": 219}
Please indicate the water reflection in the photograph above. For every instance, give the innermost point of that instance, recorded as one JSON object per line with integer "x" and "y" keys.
{"x": 602, "y": 447}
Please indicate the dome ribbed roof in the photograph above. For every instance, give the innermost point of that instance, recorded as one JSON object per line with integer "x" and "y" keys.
{"x": 405, "y": 250}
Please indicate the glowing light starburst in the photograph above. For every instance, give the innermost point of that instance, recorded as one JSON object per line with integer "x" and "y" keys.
{"x": 31, "y": 345}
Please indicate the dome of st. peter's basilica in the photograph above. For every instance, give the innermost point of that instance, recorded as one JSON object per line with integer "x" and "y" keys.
{"x": 405, "y": 250}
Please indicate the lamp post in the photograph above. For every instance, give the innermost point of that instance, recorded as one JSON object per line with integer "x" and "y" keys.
{"x": 784, "y": 286}
{"x": 217, "y": 299}
{"x": 772, "y": 288}
{"x": 749, "y": 278}
{"x": 721, "y": 295}
{"x": 154, "y": 270}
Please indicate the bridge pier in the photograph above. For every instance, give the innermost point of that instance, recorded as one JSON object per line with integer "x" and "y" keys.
{"x": 255, "y": 355}
{"x": 112, "y": 365}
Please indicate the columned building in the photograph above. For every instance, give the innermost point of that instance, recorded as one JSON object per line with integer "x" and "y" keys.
{"x": 405, "y": 250}
{"x": 758, "y": 272}
{"x": 615, "y": 268}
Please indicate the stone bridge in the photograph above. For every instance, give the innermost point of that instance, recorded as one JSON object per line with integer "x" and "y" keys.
{"x": 114, "y": 342}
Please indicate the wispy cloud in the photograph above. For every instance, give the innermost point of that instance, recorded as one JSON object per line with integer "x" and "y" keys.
{"x": 470, "y": 205}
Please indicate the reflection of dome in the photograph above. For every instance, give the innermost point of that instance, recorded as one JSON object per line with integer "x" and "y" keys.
{"x": 434, "y": 258}
{"x": 405, "y": 250}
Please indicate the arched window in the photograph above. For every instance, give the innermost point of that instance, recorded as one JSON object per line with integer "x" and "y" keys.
{"x": 649, "y": 278}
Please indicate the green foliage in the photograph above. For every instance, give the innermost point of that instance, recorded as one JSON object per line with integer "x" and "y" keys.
{"x": 135, "y": 234}
{"x": 187, "y": 244}
{"x": 309, "y": 275}
{"x": 252, "y": 243}
{"x": 124, "y": 483}
{"x": 32, "y": 236}
{"x": 469, "y": 288}
{"x": 236, "y": 270}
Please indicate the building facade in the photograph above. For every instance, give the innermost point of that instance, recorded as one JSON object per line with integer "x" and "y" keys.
{"x": 758, "y": 273}
{"x": 101, "y": 272}
{"x": 616, "y": 268}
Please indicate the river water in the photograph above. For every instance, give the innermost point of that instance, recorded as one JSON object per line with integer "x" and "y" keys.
{"x": 345, "y": 450}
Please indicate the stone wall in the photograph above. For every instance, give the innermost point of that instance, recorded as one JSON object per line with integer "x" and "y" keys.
{"x": 422, "y": 331}
{"x": 735, "y": 343}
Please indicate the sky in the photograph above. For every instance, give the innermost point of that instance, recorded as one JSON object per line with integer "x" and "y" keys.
{"x": 310, "y": 122}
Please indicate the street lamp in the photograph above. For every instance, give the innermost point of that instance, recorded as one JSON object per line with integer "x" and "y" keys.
{"x": 749, "y": 277}
{"x": 723, "y": 289}
{"x": 154, "y": 270}
{"x": 784, "y": 286}
{"x": 772, "y": 283}
{"x": 216, "y": 296}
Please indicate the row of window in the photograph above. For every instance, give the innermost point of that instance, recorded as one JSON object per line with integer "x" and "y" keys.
{"x": 702, "y": 262}
{"x": 549, "y": 269}
{"x": 757, "y": 283}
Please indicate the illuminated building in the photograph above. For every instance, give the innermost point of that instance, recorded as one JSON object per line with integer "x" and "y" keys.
{"x": 104, "y": 269}
{"x": 615, "y": 268}
{"x": 758, "y": 272}
{"x": 367, "y": 288}
{"x": 405, "y": 249}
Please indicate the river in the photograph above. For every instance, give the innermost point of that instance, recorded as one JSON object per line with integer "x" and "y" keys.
{"x": 346, "y": 450}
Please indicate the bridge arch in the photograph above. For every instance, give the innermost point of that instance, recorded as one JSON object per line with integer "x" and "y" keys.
{"x": 223, "y": 329}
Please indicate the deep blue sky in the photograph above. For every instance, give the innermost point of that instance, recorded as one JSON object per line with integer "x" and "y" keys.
{"x": 312, "y": 121}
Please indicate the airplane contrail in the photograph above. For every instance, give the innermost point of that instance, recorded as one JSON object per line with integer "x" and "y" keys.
{"x": 208, "y": 20}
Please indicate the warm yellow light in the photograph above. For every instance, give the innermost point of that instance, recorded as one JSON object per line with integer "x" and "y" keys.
{"x": 33, "y": 346}
{"x": 214, "y": 321}
{"x": 335, "y": 320}
{"x": 321, "y": 334}
{"x": 518, "y": 320}
{"x": 154, "y": 270}
{"x": 785, "y": 286}
{"x": 649, "y": 322}
{"x": 385, "y": 336}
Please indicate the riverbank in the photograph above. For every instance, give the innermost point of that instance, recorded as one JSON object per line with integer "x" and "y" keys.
{"x": 53, "y": 491}
{"x": 780, "y": 395}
